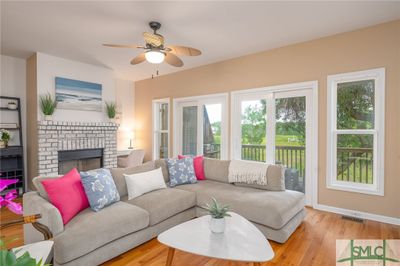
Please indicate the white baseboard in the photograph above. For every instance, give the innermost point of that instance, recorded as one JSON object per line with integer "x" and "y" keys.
{"x": 358, "y": 214}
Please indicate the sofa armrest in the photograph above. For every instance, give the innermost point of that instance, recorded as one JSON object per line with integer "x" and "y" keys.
{"x": 51, "y": 217}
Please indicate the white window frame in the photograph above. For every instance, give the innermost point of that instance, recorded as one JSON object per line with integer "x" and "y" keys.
{"x": 155, "y": 128}
{"x": 377, "y": 188}
{"x": 267, "y": 93}
{"x": 199, "y": 101}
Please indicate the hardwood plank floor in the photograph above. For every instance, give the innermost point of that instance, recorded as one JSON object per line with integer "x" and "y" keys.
{"x": 313, "y": 243}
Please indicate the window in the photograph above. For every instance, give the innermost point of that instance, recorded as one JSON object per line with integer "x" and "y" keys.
{"x": 276, "y": 125}
{"x": 161, "y": 128}
{"x": 355, "y": 131}
{"x": 200, "y": 126}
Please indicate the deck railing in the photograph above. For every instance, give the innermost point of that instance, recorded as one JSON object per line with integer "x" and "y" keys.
{"x": 353, "y": 164}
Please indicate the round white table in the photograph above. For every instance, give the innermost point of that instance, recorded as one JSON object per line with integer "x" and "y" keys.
{"x": 241, "y": 241}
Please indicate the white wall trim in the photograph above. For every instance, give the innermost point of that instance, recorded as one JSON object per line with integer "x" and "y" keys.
{"x": 154, "y": 127}
{"x": 314, "y": 133}
{"x": 283, "y": 87}
{"x": 358, "y": 214}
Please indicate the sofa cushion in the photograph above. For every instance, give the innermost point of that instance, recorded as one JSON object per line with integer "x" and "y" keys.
{"x": 90, "y": 230}
{"x": 270, "y": 208}
{"x": 181, "y": 171}
{"x": 99, "y": 188}
{"x": 67, "y": 194}
{"x": 139, "y": 184}
{"x": 164, "y": 203}
{"x": 37, "y": 182}
{"x": 164, "y": 168}
{"x": 197, "y": 165}
{"x": 119, "y": 178}
{"x": 216, "y": 170}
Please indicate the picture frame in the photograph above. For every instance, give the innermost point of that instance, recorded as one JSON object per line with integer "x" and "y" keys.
{"x": 78, "y": 95}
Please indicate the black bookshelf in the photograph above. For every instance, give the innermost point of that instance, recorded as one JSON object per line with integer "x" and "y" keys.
{"x": 12, "y": 157}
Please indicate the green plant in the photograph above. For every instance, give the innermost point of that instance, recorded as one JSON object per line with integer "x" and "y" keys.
{"x": 5, "y": 135}
{"x": 9, "y": 258}
{"x": 216, "y": 210}
{"x": 47, "y": 104}
{"x": 111, "y": 109}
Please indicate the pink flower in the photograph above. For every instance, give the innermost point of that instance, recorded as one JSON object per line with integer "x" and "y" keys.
{"x": 7, "y": 200}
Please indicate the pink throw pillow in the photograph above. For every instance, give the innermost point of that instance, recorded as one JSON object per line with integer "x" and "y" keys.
{"x": 67, "y": 194}
{"x": 197, "y": 165}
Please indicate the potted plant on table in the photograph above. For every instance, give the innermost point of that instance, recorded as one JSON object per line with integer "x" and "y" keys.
{"x": 4, "y": 138}
{"x": 111, "y": 110}
{"x": 47, "y": 105}
{"x": 218, "y": 213}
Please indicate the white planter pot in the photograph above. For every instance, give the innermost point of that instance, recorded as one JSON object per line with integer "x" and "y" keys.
{"x": 48, "y": 117}
{"x": 12, "y": 106}
{"x": 112, "y": 120}
{"x": 217, "y": 225}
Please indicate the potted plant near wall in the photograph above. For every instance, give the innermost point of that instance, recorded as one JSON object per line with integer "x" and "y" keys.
{"x": 47, "y": 105}
{"x": 4, "y": 138}
{"x": 111, "y": 110}
{"x": 12, "y": 105}
{"x": 218, "y": 213}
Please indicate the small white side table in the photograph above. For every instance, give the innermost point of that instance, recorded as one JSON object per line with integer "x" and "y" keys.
{"x": 42, "y": 250}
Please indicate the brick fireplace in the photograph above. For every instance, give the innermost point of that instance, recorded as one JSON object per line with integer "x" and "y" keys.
{"x": 58, "y": 141}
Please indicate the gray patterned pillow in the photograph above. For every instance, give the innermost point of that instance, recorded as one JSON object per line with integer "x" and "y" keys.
{"x": 181, "y": 171}
{"x": 100, "y": 188}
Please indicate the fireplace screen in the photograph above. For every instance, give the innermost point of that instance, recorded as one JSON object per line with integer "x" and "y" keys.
{"x": 83, "y": 160}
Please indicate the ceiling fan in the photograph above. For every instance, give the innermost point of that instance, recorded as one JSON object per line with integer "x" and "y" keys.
{"x": 156, "y": 52}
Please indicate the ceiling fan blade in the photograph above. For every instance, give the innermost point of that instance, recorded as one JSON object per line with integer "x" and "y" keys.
{"x": 123, "y": 45}
{"x": 155, "y": 40}
{"x": 173, "y": 60}
{"x": 183, "y": 50}
{"x": 138, "y": 59}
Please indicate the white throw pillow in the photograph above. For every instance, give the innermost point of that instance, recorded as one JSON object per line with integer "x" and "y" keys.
{"x": 141, "y": 183}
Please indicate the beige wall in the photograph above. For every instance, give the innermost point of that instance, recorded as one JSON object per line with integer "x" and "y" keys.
{"x": 373, "y": 47}
{"x": 125, "y": 97}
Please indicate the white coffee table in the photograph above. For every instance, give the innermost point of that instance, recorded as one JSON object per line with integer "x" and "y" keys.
{"x": 241, "y": 241}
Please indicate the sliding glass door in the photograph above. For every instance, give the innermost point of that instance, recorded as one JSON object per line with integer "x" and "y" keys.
{"x": 291, "y": 138}
{"x": 274, "y": 126}
{"x": 201, "y": 126}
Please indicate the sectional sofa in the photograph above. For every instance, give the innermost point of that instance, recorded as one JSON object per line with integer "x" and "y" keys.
{"x": 92, "y": 238}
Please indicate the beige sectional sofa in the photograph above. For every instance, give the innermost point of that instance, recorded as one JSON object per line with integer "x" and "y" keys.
{"x": 91, "y": 237}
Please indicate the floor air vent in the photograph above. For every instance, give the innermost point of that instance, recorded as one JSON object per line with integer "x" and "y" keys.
{"x": 354, "y": 219}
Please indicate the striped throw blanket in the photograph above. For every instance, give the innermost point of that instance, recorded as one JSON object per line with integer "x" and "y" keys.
{"x": 248, "y": 172}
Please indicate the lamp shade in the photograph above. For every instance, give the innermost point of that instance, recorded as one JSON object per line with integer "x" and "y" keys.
{"x": 154, "y": 57}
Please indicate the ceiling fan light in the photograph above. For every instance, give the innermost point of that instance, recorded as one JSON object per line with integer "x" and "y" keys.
{"x": 154, "y": 57}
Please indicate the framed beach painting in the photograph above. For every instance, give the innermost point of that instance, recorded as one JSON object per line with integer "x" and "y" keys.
{"x": 78, "y": 95}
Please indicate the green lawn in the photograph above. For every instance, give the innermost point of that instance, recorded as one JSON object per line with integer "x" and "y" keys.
{"x": 288, "y": 140}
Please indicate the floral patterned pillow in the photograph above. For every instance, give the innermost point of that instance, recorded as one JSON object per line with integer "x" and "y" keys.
{"x": 100, "y": 188}
{"x": 181, "y": 171}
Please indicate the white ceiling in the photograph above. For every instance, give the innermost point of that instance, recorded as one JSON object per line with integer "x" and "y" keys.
{"x": 222, "y": 30}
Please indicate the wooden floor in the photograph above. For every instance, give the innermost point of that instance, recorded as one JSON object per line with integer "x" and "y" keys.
{"x": 313, "y": 243}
